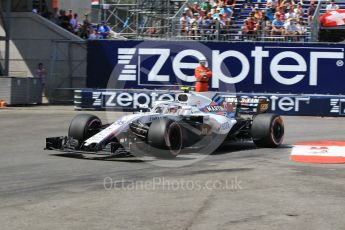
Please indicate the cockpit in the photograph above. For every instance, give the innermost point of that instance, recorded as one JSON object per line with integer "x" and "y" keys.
{"x": 174, "y": 109}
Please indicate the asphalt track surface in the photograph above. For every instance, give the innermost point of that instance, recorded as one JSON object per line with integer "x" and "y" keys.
{"x": 238, "y": 187}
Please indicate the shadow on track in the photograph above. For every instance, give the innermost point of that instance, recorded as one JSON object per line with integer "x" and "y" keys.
{"x": 222, "y": 150}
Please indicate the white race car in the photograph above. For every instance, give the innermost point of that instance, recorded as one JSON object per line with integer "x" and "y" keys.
{"x": 194, "y": 122}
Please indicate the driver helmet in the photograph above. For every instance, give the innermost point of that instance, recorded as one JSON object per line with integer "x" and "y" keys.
{"x": 202, "y": 61}
{"x": 173, "y": 109}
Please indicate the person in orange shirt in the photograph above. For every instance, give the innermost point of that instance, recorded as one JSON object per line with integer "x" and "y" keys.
{"x": 202, "y": 75}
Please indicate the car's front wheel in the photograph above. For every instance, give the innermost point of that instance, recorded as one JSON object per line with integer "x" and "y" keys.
{"x": 165, "y": 138}
{"x": 83, "y": 126}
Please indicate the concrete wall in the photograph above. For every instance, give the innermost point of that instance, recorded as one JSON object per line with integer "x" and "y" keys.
{"x": 35, "y": 39}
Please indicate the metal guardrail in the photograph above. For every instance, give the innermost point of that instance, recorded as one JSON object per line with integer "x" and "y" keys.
{"x": 314, "y": 26}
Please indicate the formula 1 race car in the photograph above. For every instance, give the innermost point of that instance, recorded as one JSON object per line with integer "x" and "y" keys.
{"x": 193, "y": 122}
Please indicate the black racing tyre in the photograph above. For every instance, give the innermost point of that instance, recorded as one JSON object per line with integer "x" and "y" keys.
{"x": 267, "y": 130}
{"x": 83, "y": 126}
{"x": 165, "y": 138}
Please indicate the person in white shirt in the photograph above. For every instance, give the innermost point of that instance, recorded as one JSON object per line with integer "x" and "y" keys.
{"x": 332, "y": 6}
{"x": 290, "y": 14}
{"x": 185, "y": 24}
{"x": 291, "y": 30}
{"x": 74, "y": 23}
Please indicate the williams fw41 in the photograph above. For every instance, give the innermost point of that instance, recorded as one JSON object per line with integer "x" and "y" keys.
{"x": 194, "y": 122}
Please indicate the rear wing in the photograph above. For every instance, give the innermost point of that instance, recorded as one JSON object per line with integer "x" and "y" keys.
{"x": 247, "y": 105}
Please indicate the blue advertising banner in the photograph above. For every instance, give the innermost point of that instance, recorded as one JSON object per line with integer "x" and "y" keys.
{"x": 283, "y": 104}
{"x": 285, "y": 68}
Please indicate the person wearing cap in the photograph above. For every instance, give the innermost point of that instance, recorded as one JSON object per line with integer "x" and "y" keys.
{"x": 202, "y": 76}
{"x": 291, "y": 30}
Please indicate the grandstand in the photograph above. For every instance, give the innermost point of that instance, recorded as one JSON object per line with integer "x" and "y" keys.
{"x": 149, "y": 19}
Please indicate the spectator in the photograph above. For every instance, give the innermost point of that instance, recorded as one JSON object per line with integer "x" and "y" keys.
{"x": 92, "y": 35}
{"x": 290, "y": 14}
{"x": 86, "y": 20}
{"x": 226, "y": 12}
{"x": 206, "y": 6}
{"x": 263, "y": 23}
{"x": 279, "y": 12}
{"x": 194, "y": 26}
{"x": 74, "y": 24}
{"x": 257, "y": 13}
{"x": 272, "y": 5}
{"x": 206, "y": 27}
{"x": 103, "y": 30}
{"x": 222, "y": 26}
{"x": 188, "y": 12}
{"x": 332, "y": 6}
{"x": 250, "y": 27}
{"x": 185, "y": 23}
{"x": 268, "y": 29}
{"x": 70, "y": 14}
{"x": 65, "y": 22}
{"x": 216, "y": 14}
{"x": 269, "y": 13}
{"x": 85, "y": 27}
{"x": 311, "y": 12}
{"x": 291, "y": 30}
{"x": 152, "y": 32}
{"x": 302, "y": 29}
{"x": 264, "y": 16}
{"x": 41, "y": 75}
{"x": 299, "y": 11}
{"x": 194, "y": 8}
{"x": 278, "y": 26}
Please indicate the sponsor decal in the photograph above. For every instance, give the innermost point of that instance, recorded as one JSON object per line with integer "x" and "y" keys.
{"x": 337, "y": 106}
{"x": 213, "y": 108}
{"x": 113, "y": 99}
{"x": 318, "y": 149}
{"x": 299, "y": 67}
{"x": 225, "y": 126}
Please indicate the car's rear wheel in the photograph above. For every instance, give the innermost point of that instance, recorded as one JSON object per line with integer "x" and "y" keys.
{"x": 165, "y": 138}
{"x": 83, "y": 126}
{"x": 267, "y": 130}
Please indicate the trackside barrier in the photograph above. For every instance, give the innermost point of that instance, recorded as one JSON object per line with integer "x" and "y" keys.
{"x": 21, "y": 91}
{"x": 287, "y": 68}
{"x": 283, "y": 104}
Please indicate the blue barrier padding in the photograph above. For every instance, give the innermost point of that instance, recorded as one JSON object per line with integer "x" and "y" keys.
{"x": 283, "y": 104}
